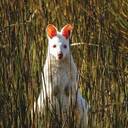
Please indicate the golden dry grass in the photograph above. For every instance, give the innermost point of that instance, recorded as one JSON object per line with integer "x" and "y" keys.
{"x": 101, "y": 28}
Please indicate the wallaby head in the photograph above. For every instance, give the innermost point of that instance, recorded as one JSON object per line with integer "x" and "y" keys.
{"x": 58, "y": 42}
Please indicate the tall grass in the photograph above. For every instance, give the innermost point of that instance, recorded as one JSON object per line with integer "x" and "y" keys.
{"x": 100, "y": 28}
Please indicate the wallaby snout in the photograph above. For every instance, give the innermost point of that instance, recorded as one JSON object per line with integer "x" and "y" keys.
{"x": 60, "y": 55}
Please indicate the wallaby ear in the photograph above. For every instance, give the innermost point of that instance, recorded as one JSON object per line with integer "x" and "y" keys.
{"x": 66, "y": 30}
{"x": 51, "y": 30}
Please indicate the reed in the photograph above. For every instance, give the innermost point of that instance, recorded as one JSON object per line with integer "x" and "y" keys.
{"x": 99, "y": 47}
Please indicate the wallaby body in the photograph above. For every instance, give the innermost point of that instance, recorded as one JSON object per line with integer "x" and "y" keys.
{"x": 60, "y": 77}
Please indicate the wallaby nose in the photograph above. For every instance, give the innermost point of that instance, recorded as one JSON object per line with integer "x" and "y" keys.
{"x": 60, "y": 55}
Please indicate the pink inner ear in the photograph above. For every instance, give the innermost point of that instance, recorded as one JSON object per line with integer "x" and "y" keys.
{"x": 66, "y": 34}
{"x": 51, "y": 31}
{"x": 67, "y": 30}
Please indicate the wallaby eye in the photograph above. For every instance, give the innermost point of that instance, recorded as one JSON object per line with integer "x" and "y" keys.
{"x": 65, "y": 46}
{"x": 54, "y": 46}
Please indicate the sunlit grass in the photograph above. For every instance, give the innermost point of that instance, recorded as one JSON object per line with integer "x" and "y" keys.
{"x": 101, "y": 56}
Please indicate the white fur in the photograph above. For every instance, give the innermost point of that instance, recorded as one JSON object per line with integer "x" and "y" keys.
{"x": 59, "y": 75}
{"x": 59, "y": 41}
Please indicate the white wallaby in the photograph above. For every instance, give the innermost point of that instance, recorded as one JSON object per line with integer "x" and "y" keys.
{"x": 60, "y": 77}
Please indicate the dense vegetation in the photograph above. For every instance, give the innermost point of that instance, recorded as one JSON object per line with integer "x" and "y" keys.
{"x": 101, "y": 54}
